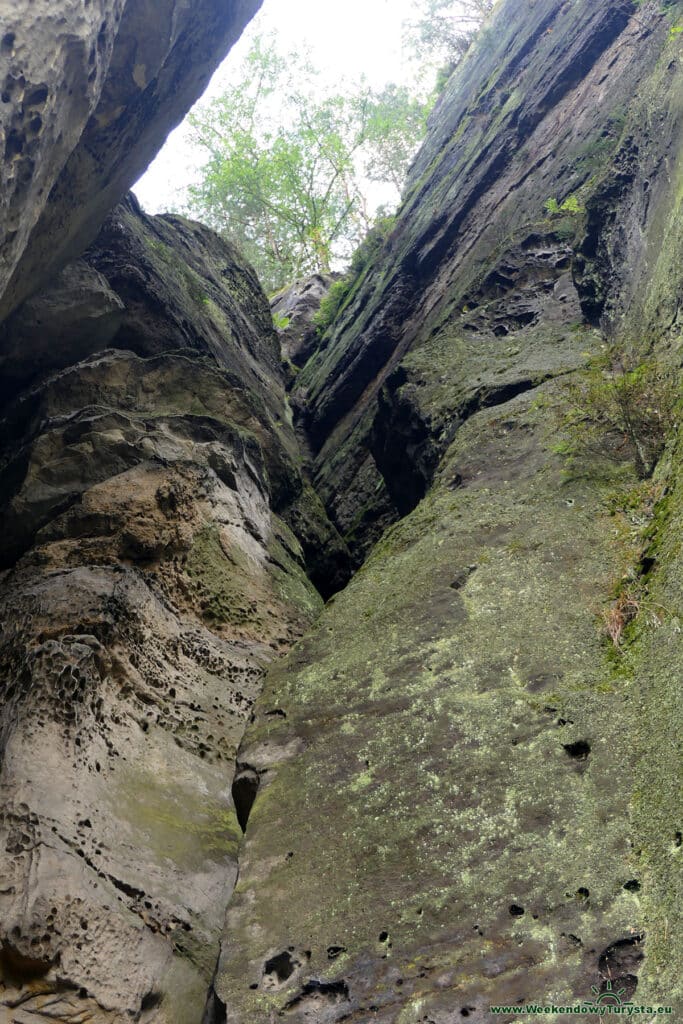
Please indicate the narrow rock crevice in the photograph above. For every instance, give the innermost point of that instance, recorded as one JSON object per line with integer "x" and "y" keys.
{"x": 408, "y": 449}
{"x": 216, "y": 1010}
{"x": 245, "y": 789}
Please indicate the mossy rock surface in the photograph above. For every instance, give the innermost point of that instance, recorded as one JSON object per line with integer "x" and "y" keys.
{"x": 468, "y": 792}
{"x": 444, "y": 818}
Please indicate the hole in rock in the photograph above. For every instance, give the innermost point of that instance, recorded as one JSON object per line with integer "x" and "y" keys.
{"x": 516, "y": 910}
{"x": 461, "y": 577}
{"x": 37, "y": 97}
{"x": 21, "y": 969}
{"x": 334, "y": 991}
{"x": 678, "y": 839}
{"x": 216, "y": 1011}
{"x": 383, "y": 936}
{"x": 583, "y": 893}
{"x": 282, "y": 966}
{"x": 14, "y": 145}
{"x": 150, "y": 1001}
{"x": 632, "y": 886}
{"x": 619, "y": 966}
{"x": 579, "y": 750}
{"x": 244, "y": 789}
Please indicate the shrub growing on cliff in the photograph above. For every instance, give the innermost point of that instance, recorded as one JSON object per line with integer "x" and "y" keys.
{"x": 366, "y": 253}
{"x": 620, "y": 412}
{"x": 570, "y": 205}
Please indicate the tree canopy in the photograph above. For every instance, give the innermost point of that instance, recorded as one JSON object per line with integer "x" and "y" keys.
{"x": 288, "y": 168}
{"x": 442, "y": 30}
{"x": 296, "y": 175}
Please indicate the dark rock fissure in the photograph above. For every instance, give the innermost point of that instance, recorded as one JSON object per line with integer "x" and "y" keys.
{"x": 245, "y": 788}
{"x": 333, "y": 991}
{"x": 404, "y": 445}
{"x": 216, "y": 1010}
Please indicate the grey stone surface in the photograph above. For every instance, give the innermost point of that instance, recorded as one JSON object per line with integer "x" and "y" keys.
{"x": 78, "y": 315}
{"x": 147, "y": 582}
{"x": 90, "y": 90}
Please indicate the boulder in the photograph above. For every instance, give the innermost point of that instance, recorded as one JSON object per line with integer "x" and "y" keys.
{"x": 469, "y": 799}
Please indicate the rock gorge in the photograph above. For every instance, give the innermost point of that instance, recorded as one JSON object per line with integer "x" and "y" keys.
{"x": 308, "y": 710}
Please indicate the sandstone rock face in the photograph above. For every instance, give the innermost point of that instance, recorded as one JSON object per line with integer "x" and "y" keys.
{"x": 147, "y": 581}
{"x": 474, "y": 266}
{"x": 469, "y": 797}
{"x": 89, "y": 92}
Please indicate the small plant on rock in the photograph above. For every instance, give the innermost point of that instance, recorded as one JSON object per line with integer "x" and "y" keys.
{"x": 281, "y": 321}
{"x": 618, "y": 616}
{"x": 570, "y": 205}
{"x": 620, "y": 412}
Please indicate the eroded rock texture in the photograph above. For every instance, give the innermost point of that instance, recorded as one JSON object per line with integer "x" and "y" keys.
{"x": 468, "y": 793}
{"x": 89, "y": 91}
{"x": 148, "y": 580}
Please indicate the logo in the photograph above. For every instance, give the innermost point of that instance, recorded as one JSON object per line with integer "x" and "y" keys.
{"x": 609, "y": 997}
{"x": 605, "y": 1002}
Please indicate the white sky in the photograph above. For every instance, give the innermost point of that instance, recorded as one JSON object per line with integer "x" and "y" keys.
{"x": 345, "y": 40}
